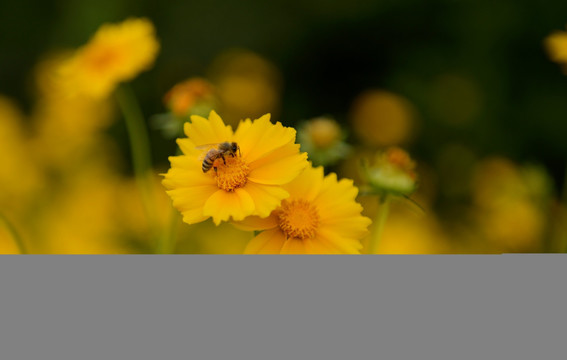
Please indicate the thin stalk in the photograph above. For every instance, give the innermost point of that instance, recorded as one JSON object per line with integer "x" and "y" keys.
{"x": 169, "y": 237}
{"x": 141, "y": 153}
{"x": 563, "y": 215}
{"x": 14, "y": 234}
{"x": 166, "y": 245}
{"x": 564, "y": 190}
{"x": 380, "y": 221}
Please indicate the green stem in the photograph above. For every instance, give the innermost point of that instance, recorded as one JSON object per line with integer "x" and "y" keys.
{"x": 563, "y": 216}
{"x": 141, "y": 153}
{"x": 13, "y": 233}
{"x": 166, "y": 245}
{"x": 381, "y": 217}
{"x": 564, "y": 190}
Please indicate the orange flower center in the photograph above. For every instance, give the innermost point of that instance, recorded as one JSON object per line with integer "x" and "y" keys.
{"x": 100, "y": 59}
{"x": 298, "y": 219}
{"x": 231, "y": 175}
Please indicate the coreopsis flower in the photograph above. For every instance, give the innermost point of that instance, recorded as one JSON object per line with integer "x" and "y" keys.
{"x": 510, "y": 210}
{"x": 116, "y": 53}
{"x": 393, "y": 172}
{"x": 321, "y": 216}
{"x": 556, "y": 46}
{"x": 20, "y": 175}
{"x": 240, "y": 183}
{"x": 323, "y": 139}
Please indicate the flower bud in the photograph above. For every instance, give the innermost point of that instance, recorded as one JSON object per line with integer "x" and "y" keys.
{"x": 322, "y": 138}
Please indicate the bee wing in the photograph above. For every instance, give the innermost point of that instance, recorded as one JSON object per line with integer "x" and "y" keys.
{"x": 205, "y": 149}
{"x": 207, "y": 146}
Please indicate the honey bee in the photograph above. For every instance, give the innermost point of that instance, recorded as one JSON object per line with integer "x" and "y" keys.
{"x": 218, "y": 151}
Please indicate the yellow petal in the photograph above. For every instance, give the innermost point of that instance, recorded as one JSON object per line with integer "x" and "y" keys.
{"x": 202, "y": 131}
{"x": 313, "y": 246}
{"x": 268, "y": 242}
{"x": 219, "y": 127}
{"x": 193, "y": 216}
{"x": 307, "y": 184}
{"x": 286, "y": 164}
{"x": 188, "y": 147}
{"x": 334, "y": 193}
{"x": 261, "y": 137}
{"x": 246, "y": 204}
{"x": 192, "y": 197}
{"x": 355, "y": 226}
{"x": 189, "y": 201}
{"x": 184, "y": 162}
{"x": 180, "y": 178}
{"x": 255, "y": 223}
{"x": 266, "y": 197}
{"x": 342, "y": 244}
{"x": 223, "y": 204}
{"x": 293, "y": 246}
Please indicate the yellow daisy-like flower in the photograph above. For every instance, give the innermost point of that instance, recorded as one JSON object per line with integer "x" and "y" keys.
{"x": 248, "y": 182}
{"x": 320, "y": 217}
{"x": 116, "y": 53}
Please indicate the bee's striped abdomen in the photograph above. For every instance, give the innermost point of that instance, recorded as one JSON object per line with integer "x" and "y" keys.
{"x": 207, "y": 164}
{"x": 209, "y": 160}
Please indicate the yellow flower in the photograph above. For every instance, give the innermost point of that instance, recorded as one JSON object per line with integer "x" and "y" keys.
{"x": 246, "y": 84}
{"x": 508, "y": 213}
{"x": 320, "y": 217}
{"x": 116, "y": 53}
{"x": 249, "y": 183}
{"x": 556, "y": 45}
{"x": 20, "y": 176}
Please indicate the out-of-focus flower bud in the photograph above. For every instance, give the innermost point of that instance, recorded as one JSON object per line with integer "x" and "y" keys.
{"x": 323, "y": 139}
{"x": 194, "y": 96}
{"x": 392, "y": 172}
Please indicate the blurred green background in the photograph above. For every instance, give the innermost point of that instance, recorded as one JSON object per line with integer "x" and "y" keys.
{"x": 475, "y": 70}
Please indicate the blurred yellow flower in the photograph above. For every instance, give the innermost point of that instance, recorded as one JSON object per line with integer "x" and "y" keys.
{"x": 320, "y": 217}
{"x": 556, "y": 46}
{"x": 405, "y": 233}
{"x": 382, "y": 118}
{"x": 116, "y": 53}
{"x": 131, "y": 221}
{"x": 19, "y": 176}
{"x": 247, "y": 85}
{"x": 248, "y": 183}
{"x": 508, "y": 212}
{"x": 206, "y": 238}
{"x": 64, "y": 126}
{"x": 77, "y": 217}
{"x": 7, "y": 244}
